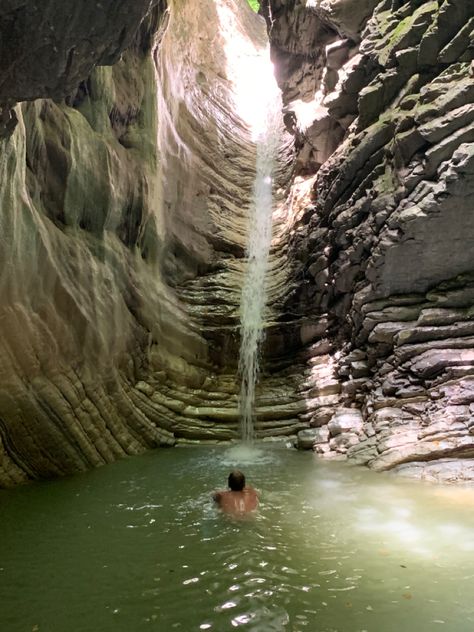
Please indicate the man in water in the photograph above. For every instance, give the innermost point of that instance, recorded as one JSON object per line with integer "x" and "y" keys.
{"x": 239, "y": 498}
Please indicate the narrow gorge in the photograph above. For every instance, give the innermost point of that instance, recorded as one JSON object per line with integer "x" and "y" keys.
{"x": 130, "y": 135}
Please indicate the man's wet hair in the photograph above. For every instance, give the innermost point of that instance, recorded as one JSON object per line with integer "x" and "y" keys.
{"x": 236, "y": 481}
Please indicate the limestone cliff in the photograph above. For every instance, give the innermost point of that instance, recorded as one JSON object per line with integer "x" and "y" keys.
{"x": 48, "y": 47}
{"x": 123, "y": 233}
{"x": 124, "y": 195}
{"x": 379, "y": 96}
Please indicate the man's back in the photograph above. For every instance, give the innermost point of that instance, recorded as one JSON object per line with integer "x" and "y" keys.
{"x": 237, "y": 502}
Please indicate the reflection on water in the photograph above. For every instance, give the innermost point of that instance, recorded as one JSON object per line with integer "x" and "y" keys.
{"x": 139, "y": 545}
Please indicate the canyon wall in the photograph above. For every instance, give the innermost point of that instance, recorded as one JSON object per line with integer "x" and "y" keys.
{"x": 379, "y": 97}
{"x": 124, "y": 199}
{"x": 127, "y": 164}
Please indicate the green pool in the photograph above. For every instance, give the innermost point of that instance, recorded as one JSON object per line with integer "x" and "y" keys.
{"x": 138, "y": 545}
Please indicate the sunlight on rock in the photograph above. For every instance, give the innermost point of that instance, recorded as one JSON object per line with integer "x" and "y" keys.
{"x": 249, "y": 69}
{"x": 221, "y": 226}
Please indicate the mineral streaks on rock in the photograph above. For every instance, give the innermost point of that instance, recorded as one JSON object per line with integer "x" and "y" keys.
{"x": 77, "y": 291}
{"x": 123, "y": 234}
{"x": 387, "y": 252}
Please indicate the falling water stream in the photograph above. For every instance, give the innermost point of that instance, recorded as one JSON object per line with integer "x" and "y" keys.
{"x": 252, "y": 312}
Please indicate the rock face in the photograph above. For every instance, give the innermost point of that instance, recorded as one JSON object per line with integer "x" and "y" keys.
{"x": 76, "y": 196}
{"x": 123, "y": 239}
{"x": 48, "y": 48}
{"x": 385, "y": 252}
{"x": 124, "y": 195}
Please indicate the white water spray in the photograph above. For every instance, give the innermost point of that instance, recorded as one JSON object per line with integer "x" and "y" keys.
{"x": 260, "y": 234}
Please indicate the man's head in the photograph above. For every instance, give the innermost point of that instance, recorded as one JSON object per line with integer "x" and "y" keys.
{"x": 236, "y": 481}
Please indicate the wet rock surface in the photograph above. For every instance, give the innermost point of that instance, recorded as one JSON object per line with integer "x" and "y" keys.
{"x": 385, "y": 251}
{"x": 123, "y": 243}
{"x": 124, "y": 192}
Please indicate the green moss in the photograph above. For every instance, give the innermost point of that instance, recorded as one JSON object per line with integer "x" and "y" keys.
{"x": 386, "y": 182}
{"x": 401, "y": 35}
{"x": 254, "y": 4}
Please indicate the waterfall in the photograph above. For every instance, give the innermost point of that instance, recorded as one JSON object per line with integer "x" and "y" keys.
{"x": 253, "y": 301}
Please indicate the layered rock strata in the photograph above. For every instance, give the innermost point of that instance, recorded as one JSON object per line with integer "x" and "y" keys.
{"x": 385, "y": 251}
{"x": 124, "y": 204}
{"x": 123, "y": 234}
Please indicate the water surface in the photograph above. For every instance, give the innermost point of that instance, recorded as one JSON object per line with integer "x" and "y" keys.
{"x": 138, "y": 545}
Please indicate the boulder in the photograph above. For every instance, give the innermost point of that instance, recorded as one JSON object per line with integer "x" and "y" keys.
{"x": 308, "y": 438}
{"x": 345, "y": 420}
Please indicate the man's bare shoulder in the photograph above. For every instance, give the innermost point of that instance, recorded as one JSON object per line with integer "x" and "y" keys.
{"x": 217, "y": 496}
{"x": 251, "y": 490}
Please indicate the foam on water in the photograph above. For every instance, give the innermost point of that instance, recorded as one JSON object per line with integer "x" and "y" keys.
{"x": 248, "y": 454}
